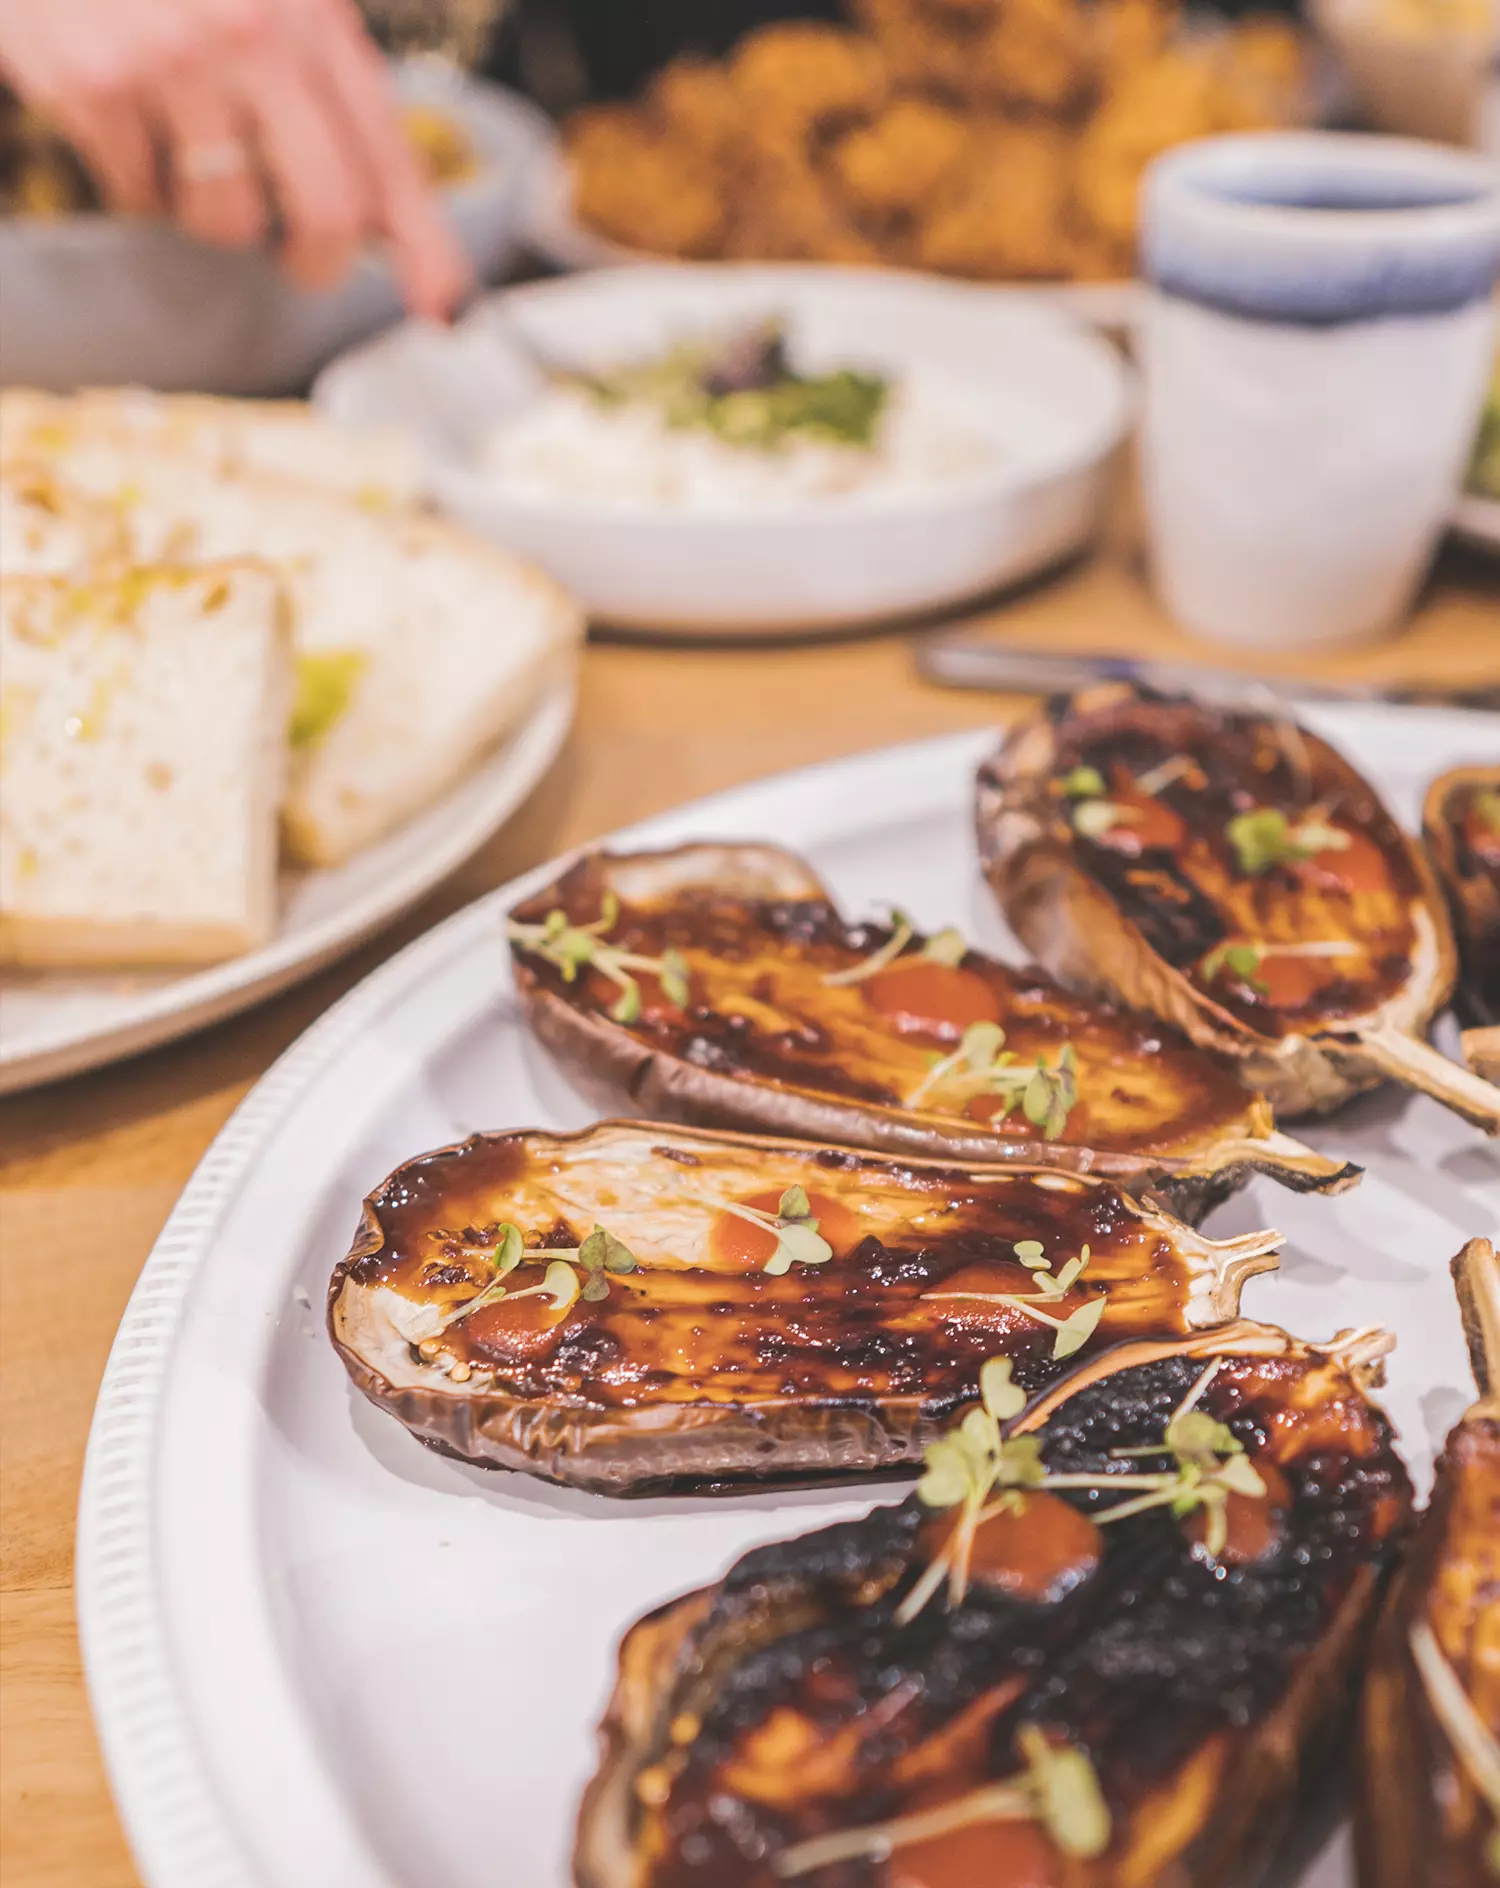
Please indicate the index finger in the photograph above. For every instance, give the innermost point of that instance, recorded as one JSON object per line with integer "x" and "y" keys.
{"x": 431, "y": 267}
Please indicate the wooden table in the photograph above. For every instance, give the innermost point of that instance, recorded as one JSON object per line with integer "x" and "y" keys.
{"x": 90, "y": 1168}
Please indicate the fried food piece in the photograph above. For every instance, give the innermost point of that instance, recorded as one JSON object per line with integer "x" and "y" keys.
{"x": 900, "y": 161}
{"x": 1007, "y": 219}
{"x": 1154, "y": 106}
{"x": 924, "y": 49}
{"x": 1263, "y": 75}
{"x": 1035, "y": 54}
{"x": 696, "y": 104}
{"x": 1129, "y": 33}
{"x": 800, "y": 76}
{"x": 640, "y": 188}
{"x": 786, "y": 210}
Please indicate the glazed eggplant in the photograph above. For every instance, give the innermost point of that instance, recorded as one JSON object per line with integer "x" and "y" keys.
{"x": 1233, "y": 875}
{"x": 1461, "y": 824}
{"x": 1101, "y": 1645}
{"x": 636, "y": 1306}
{"x": 719, "y": 986}
{"x": 1429, "y": 1800}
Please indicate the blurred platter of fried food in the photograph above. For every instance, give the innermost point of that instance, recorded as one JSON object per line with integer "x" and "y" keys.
{"x": 1001, "y": 140}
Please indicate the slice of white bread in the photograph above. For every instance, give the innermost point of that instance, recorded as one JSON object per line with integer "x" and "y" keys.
{"x": 377, "y": 467}
{"x": 48, "y": 529}
{"x": 142, "y": 742}
{"x": 430, "y": 643}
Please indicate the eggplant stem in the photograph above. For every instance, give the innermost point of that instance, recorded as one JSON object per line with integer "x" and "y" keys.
{"x": 1476, "y": 1277}
{"x": 1410, "y": 1060}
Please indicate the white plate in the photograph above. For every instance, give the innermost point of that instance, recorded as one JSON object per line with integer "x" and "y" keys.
{"x": 1050, "y": 395}
{"x": 1477, "y": 521}
{"x": 552, "y": 229}
{"x": 53, "y": 1024}
{"x": 319, "y": 1653}
{"x": 180, "y": 315}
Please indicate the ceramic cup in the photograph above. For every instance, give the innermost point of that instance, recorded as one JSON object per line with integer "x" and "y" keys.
{"x": 1316, "y": 338}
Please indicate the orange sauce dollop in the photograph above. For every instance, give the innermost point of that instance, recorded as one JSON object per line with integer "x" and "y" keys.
{"x": 935, "y": 1001}
{"x": 1036, "y": 1551}
{"x": 523, "y": 1329}
{"x": 1358, "y": 867}
{"x": 1252, "y": 1522}
{"x": 985, "y": 1855}
{"x": 1150, "y": 827}
{"x": 736, "y": 1244}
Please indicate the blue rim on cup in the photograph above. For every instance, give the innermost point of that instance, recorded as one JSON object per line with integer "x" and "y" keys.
{"x": 1322, "y": 227}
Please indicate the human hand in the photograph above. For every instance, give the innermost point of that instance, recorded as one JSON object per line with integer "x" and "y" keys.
{"x": 237, "y": 117}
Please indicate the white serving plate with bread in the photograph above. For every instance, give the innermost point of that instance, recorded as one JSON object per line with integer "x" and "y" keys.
{"x": 1046, "y": 399}
{"x": 294, "y": 1617}
{"x": 256, "y": 701}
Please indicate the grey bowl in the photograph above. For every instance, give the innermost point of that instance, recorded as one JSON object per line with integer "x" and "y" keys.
{"x": 96, "y": 300}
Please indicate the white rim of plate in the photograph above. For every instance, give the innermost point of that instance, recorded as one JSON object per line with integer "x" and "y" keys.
{"x": 178, "y": 1007}
{"x": 1476, "y": 519}
{"x": 179, "y": 1830}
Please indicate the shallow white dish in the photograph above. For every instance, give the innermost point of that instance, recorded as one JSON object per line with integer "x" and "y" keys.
{"x": 1477, "y": 521}
{"x": 54, "y": 1023}
{"x": 1052, "y": 397}
{"x": 295, "y": 1618}
{"x": 96, "y": 300}
{"x": 553, "y": 232}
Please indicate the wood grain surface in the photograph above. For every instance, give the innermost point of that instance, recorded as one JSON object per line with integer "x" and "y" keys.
{"x": 89, "y": 1168}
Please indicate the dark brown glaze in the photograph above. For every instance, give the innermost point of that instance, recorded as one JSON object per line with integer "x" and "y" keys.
{"x": 1148, "y": 911}
{"x": 1421, "y": 1817}
{"x": 1461, "y": 824}
{"x": 700, "y": 1363}
{"x": 788, "y": 1701}
{"x": 765, "y": 1042}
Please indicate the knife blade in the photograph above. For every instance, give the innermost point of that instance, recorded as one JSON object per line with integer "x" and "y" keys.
{"x": 973, "y": 662}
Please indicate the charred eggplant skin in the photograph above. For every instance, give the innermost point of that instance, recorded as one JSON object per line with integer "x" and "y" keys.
{"x": 762, "y": 920}
{"x": 1420, "y": 1818}
{"x": 1203, "y": 1696}
{"x": 1141, "y": 930}
{"x": 1470, "y": 875}
{"x": 694, "y": 1369}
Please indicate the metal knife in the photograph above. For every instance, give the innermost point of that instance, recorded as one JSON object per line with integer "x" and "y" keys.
{"x": 965, "y": 661}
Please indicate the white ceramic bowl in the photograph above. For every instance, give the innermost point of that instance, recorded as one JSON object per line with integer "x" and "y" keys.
{"x": 95, "y": 300}
{"x": 1053, "y": 396}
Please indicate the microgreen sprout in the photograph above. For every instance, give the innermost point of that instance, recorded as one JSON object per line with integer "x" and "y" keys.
{"x": 573, "y": 1272}
{"x": 1474, "y": 1743}
{"x": 1245, "y": 956}
{"x": 1174, "y": 768}
{"x": 1094, "y": 818}
{"x": 798, "y": 1241}
{"x": 1058, "y": 1788}
{"x": 571, "y": 947}
{"x": 982, "y": 1065}
{"x": 1084, "y": 783}
{"x": 1264, "y": 837}
{"x": 947, "y": 946}
{"x": 1074, "y": 1331}
{"x": 1211, "y": 1466}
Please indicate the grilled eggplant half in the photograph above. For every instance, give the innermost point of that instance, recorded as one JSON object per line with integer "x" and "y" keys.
{"x": 1233, "y": 875}
{"x": 1100, "y": 1651}
{"x": 1429, "y": 1804}
{"x": 1461, "y": 824}
{"x": 718, "y": 985}
{"x": 637, "y": 1306}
